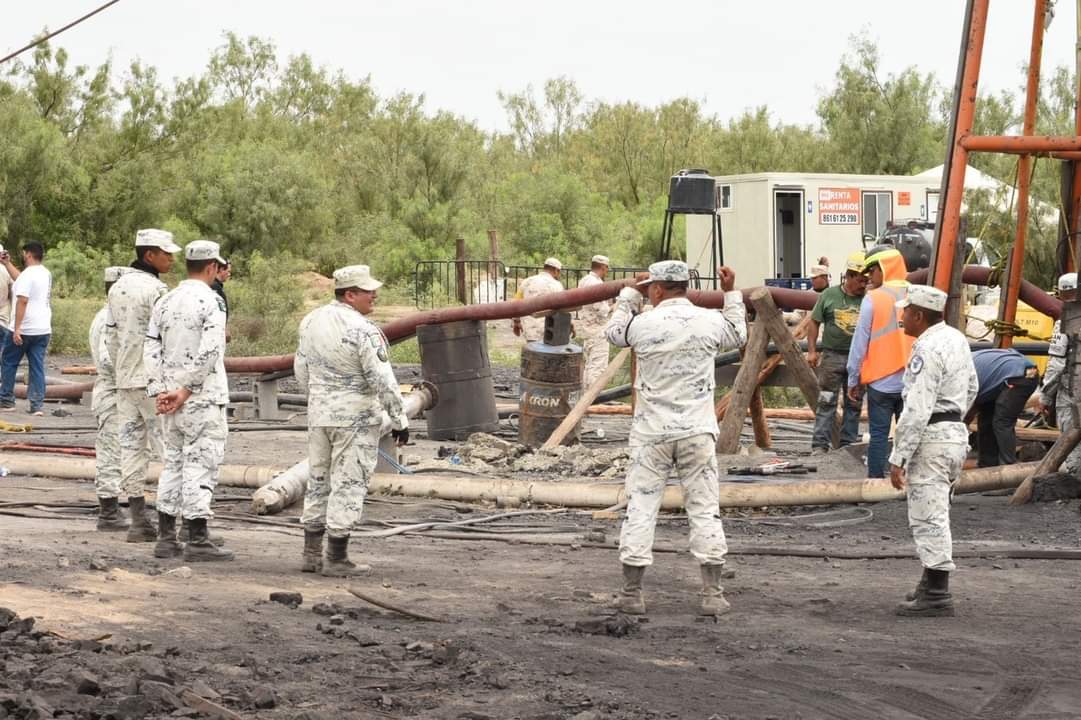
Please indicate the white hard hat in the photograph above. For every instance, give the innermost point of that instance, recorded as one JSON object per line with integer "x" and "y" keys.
{"x": 1067, "y": 282}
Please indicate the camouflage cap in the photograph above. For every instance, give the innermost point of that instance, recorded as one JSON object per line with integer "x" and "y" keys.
{"x": 355, "y": 276}
{"x": 600, "y": 260}
{"x": 668, "y": 271}
{"x": 203, "y": 250}
{"x": 1067, "y": 282}
{"x": 553, "y": 263}
{"x": 152, "y": 237}
{"x": 924, "y": 296}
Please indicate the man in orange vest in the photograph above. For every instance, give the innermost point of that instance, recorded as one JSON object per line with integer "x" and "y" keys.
{"x": 880, "y": 350}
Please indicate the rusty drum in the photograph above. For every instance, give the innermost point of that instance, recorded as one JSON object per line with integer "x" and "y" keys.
{"x": 550, "y": 384}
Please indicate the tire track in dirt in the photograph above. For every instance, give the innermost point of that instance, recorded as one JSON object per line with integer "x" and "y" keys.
{"x": 1011, "y": 699}
{"x": 910, "y": 700}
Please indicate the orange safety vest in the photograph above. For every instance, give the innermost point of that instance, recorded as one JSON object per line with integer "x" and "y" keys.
{"x": 889, "y": 347}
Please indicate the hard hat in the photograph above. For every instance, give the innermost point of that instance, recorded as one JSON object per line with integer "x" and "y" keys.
{"x": 1067, "y": 282}
{"x": 854, "y": 262}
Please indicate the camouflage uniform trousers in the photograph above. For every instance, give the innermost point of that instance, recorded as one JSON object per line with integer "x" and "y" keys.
{"x": 1064, "y": 420}
{"x": 595, "y": 349}
{"x": 107, "y": 449}
{"x": 930, "y": 474}
{"x": 342, "y": 461}
{"x": 194, "y": 449}
{"x": 695, "y": 461}
{"x": 139, "y": 435}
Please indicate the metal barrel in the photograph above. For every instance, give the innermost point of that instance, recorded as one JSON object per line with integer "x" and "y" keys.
{"x": 454, "y": 358}
{"x": 550, "y": 384}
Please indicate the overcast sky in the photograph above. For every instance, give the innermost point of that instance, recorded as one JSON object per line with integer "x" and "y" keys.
{"x": 730, "y": 55}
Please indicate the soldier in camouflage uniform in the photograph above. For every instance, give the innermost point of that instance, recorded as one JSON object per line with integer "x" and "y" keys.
{"x": 674, "y": 427}
{"x": 1056, "y": 393}
{"x": 107, "y": 480}
{"x": 131, "y": 301}
{"x": 184, "y": 353}
{"x": 931, "y": 441}
{"x": 589, "y": 327}
{"x": 342, "y": 362}
{"x": 544, "y": 282}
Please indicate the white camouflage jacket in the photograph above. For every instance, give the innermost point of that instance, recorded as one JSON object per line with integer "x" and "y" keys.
{"x": 939, "y": 377}
{"x": 593, "y": 317}
{"x": 131, "y": 300}
{"x": 185, "y": 344}
{"x": 1056, "y": 363}
{"x": 105, "y": 381}
{"x": 342, "y": 362}
{"x": 675, "y": 345}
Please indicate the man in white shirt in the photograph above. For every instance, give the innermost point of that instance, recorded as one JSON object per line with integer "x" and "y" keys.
{"x": 589, "y": 327}
{"x": 31, "y": 326}
{"x": 544, "y": 282}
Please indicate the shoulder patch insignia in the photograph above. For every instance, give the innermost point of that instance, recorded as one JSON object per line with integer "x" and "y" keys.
{"x": 915, "y": 365}
{"x": 381, "y": 353}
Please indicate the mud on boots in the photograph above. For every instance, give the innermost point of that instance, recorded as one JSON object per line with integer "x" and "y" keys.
{"x": 184, "y": 534}
{"x": 933, "y": 600}
{"x": 337, "y": 563}
{"x": 713, "y": 602}
{"x": 141, "y": 528}
{"x": 675, "y": 426}
{"x": 312, "y": 559}
{"x": 110, "y": 519}
{"x": 167, "y": 546}
{"x": 199, "y": 548}
{"x": 630, "y": 599}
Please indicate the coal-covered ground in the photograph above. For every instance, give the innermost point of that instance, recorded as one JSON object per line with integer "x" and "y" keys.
{"x": 523, "y": 625}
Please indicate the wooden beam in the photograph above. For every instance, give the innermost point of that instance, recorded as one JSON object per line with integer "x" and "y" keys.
{"x": 582, "y": 406}
{"x": 799, "y": 333}
{"x": 758, "y": 421}
{"x": 771, "y": 319}
{"x": 754, "y": 355}
{"x": 1058, "y": 453}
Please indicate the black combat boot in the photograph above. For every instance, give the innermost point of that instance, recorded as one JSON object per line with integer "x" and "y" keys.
{"x": 199, "y": 548}
{"x": 313, "y": 551}
{"x": 167, "y": 546}
{"x": 921, "y": 586}
{"x": 110, "y": 519}
{"x": 630, "y": 598}
{"x": 185, "y": 533}
{"x": 934, "y": 601}
{"x": 338, "y": 563}
{"x": 141, "y": 529}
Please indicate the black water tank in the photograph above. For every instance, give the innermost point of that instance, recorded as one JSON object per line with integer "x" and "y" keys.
{"x": 454, "y": 358}
{"x": 692, "y": 192}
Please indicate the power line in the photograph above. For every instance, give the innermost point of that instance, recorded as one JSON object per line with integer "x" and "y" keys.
{"x": 57, "y": 32}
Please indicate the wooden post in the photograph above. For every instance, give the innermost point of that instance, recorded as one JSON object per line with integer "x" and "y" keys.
{"x": 798, "y": 333}
{"x": 582, "y": 406}
{"x": 1058, "y": 453}
{"x": 758, "y": 420}
{"x": 743, "y": 389}
{"x": 770, "y": 317}
{"x": 459, "y": 267}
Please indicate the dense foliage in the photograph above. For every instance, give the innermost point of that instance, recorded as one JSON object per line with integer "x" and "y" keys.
{"x": 291, "y": 165}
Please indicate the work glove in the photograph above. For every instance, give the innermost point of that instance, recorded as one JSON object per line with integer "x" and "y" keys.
{"x": 401, "y": 437}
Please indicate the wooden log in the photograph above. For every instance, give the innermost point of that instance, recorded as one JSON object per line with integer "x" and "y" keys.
{"x": 758, "y": 421}
{"x": 799, "y": 333}
{"x": 754, "y": 355}
{"x": 387, "y": 605}
{"x": 770, "y": 317}
{"x": 1058, "y": 453}
{"x": 591, "y": 393}
{"x": 79, "y": 370}
{"x": 620, "y": 409}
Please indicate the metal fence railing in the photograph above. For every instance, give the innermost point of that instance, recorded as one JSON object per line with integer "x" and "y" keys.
{"x": 439, "y": 283}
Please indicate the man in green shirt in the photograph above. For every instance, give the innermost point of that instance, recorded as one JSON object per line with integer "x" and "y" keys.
{"x": 836, "y": 313}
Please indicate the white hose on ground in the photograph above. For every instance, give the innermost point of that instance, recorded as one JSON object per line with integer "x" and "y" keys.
{"x": 568, "y": 493}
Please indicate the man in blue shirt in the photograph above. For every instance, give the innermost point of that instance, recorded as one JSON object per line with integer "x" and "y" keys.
{"x": 1007, "y": 379}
